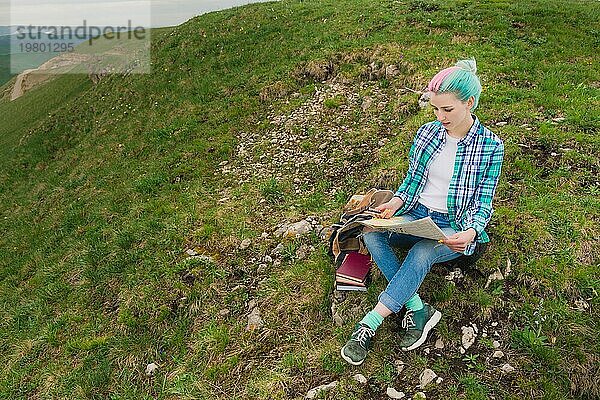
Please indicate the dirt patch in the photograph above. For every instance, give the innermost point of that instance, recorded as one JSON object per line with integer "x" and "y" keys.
{"x": 32, "y": 78}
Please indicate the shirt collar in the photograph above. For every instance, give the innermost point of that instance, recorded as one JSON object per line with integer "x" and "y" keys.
{"x": 473, "y": 131}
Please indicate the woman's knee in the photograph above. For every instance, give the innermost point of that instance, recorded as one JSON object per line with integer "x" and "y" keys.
{"x": 422, "y": 255}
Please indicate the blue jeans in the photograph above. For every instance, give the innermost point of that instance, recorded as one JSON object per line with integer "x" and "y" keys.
{"x": 405, "y": 278}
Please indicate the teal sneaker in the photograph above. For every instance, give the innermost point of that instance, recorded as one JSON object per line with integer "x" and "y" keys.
{"x": 418, "y": 324}
{"x": 355, "y": 350}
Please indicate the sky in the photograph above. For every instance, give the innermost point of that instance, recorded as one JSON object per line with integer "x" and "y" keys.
{"x": 153, "y": 13}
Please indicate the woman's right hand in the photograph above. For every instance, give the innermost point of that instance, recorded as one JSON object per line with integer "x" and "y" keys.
{"x": 387, "y": 210}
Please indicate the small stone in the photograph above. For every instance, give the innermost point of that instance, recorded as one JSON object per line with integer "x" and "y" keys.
{"x": 558, "y": 119}
{"x": 494, "y": 324}
{"x": 462, "y": 350}
{"x": 337, "y": 320}
{"x": 264, "y": 235}
{"x": 245, "y": 244}
{"x": 302, "y": 252}
{"x": 468, "y": 336}
{"x": 496, "y": 276}
{"x": 427, "y": 350}
{"x": 439, "y": 380}
{"x": 394, "y": 394}
{"x": 498, "y": 354}
{"x": 254, "y": 320}
{"x": 508, "y": 268}
{"x": 360, "y": 378}
{"x": 191, "y": 252}
{"x": 399, "y": 366}
{"x": 297, "y": 229}
{"x": 581, "y": 305}
{"x": 426, "y": 377}
{"x": 391, "y": 70}
{"x": 339, "y": 296}
{"x": 150, "y": 369}
{"x": 262, "y": 268}
{"x": 439, "y": 344}
{"x": 501, "y": 123}
{"x": 507, "y": 368}
{"x": 278, "y": 249}
{"x": 312, "y": 393}
{"x": 496, "y": 344}
{"x": 424, "y": 100}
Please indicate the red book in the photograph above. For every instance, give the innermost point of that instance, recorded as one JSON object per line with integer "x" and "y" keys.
{"x": 355, "y": 267}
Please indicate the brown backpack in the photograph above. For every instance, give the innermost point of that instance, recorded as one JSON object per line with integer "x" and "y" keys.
{"x": 346, "y": 234}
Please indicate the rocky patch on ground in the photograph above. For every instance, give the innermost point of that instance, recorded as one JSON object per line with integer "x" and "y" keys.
{"x": 330, "y": 136}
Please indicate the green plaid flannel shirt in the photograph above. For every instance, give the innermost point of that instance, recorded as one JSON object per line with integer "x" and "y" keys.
{"x": 476, "y": 171}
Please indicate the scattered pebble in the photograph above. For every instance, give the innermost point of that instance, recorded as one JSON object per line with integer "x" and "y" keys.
{"x": 394, "y": 394}
{"x": 224, "y": 312}
{"x": 468, "y": 336}
{"x": 254, "y": 320}
{"x": 498, "y": 354}
{"x": 191, "y": 252}
{"x": 496, "y": 276}
{"x": 507, "y": 368}
{"x": 360, "y": 378}
{"x": 399, "y": 366}
{"x": 501, "y": 123}
{"x": 312, "y": 393}
{"x": 454, "y": 274}
{"x": 150, "y": 369}
{"x": 278, "y": 249}
{"x": 426, "y": 377}
{"x": 424, "y": 100}
{"x": 581, "y": 305}
{"x": 496, "y": 344}
{"x": 439, "y": 344}
{"x": 245, "y": 244}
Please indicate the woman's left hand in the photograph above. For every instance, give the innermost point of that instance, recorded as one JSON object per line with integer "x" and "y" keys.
{"x": 459, "y": 241}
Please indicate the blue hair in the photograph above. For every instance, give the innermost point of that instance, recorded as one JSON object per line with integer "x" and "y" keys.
{"x": 461, "y": 80}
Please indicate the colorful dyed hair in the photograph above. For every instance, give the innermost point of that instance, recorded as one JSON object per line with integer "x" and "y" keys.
{"x": 461, "y": 80}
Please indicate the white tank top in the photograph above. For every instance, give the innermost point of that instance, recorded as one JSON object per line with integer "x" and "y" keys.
{"x": 435, "y": 193}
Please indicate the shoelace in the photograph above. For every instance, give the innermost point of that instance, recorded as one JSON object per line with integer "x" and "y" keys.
{"x": 362, "y": 334}
{"x": 408, "y": 321}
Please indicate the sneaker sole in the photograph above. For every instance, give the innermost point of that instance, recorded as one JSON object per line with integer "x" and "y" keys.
{"x": 433, "y": 321}
{"x": 348, "y": 359}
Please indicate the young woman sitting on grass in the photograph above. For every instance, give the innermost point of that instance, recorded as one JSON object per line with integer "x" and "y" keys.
{"x": 454, "y": 165}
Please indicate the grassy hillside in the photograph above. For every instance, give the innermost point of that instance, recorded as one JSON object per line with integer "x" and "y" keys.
{"x": 104, "y": 187}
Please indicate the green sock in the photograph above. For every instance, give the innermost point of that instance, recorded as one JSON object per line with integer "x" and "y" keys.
{"x": 414, "y": 303}
{"x": 372, "y": 320}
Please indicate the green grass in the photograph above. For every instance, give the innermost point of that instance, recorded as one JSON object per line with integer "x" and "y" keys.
{"x": 103, "y": 188}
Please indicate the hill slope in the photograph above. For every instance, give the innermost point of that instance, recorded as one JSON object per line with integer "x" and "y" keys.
{"x": 265, "y": 115}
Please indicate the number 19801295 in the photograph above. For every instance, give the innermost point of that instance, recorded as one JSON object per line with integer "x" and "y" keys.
{"x": 37, "y": 47}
